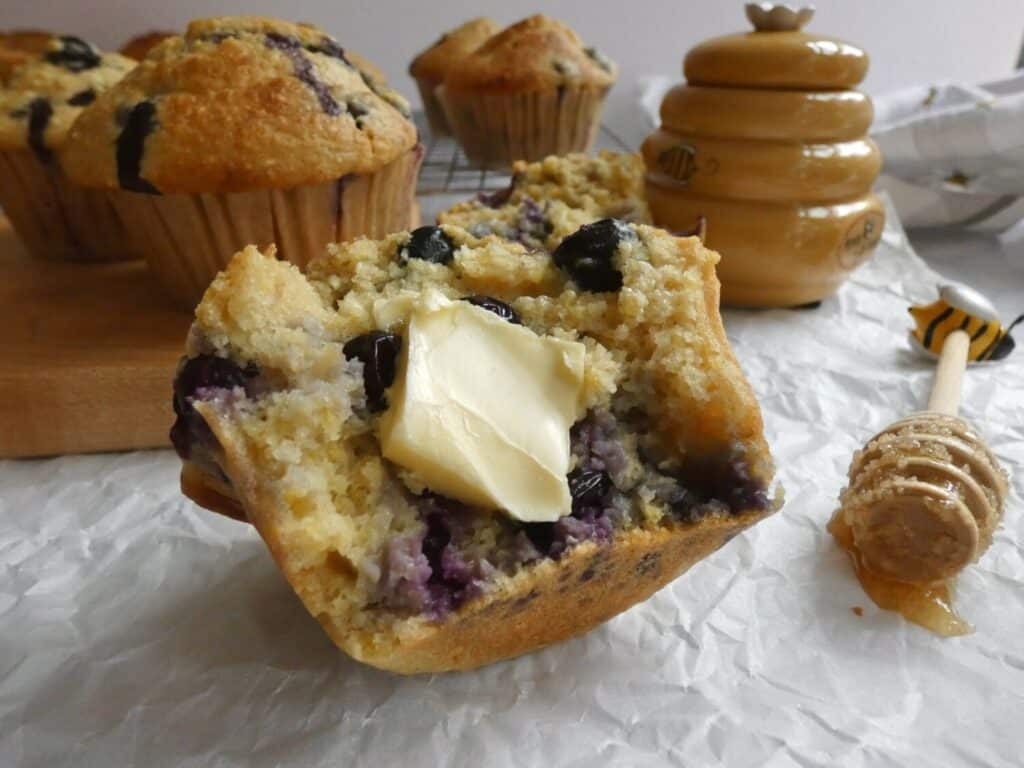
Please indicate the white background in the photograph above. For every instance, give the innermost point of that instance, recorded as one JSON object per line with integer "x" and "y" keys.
{"x": 909, "y": 40}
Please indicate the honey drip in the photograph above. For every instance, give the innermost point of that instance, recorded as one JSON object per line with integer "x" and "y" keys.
{"x": 928, "y": 605}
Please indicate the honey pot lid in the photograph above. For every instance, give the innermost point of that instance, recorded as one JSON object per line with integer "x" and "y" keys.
{"x": 777, "y": 54}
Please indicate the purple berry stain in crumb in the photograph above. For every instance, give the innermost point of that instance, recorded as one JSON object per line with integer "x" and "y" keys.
{"x": 435, "y": 571}
{"x": 429, "y": 572}
{"x": 74, "y": 55}
{"x": 139, "y": 123}
{"x": 593, "y": 505}
{"x": 428, "y": 244}
{"x": 378, "y": 352}
{"x": 203, "y": 378}
{"x": 532, "y": 226}
{"x": 595, "y": 445}
{"x": 500, "y": 308}
{"x": 712, "y": 485}
{"x": 720, "y": 483}
{"x": 588, "y": 255}
{"x": 39, "y": 113}
{"x": 305, "y": 70}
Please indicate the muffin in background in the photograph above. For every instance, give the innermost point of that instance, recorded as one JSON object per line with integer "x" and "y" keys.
{"x": 40, "y": 97}
{"x": 367, "y": 68}
{"x": 247, "y": 130}
{"x": 548, "y": 200}
{"x": 18, "y": 46}
{"x": 140, "y": 45}
{"x": 431, "y": 66}
{"x": 530, "y": 91}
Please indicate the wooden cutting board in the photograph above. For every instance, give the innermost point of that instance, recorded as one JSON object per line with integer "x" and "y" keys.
{"x": 87, "y": 355}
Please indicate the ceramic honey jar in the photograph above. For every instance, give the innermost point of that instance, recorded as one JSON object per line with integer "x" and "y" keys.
{"x": 767, "y": 139}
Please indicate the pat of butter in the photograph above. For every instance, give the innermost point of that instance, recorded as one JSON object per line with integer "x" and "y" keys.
{"x": 481, "y": 409}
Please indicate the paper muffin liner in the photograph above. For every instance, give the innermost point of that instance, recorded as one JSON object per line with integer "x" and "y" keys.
{"x": 495, "y": 129}
{"x": 56, "y": 219}
{"x": 188, "y": 239}
{"x": 432, "y": 107}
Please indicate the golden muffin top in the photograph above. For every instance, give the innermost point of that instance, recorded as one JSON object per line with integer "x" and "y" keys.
{"x": 453, "y": 46}
{"x": 54, "y": 79}
{"x": 140, "y": 45}
{"x": 535, "y": 54}
{"x": 239, "y": 104}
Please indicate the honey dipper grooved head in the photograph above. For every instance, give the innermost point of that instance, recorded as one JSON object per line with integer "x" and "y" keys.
{"x": 924, "y": 498}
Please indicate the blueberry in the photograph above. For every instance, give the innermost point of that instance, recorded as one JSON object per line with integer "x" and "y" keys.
{"x": 305, "y": 70}
{"x": 599, "y": 58}
{"x": 74, "y": 54}
{"x": 39, "y": 113}
{"x": 83, "y": 98}
{"x": 588, "y": 255}
{"x": 532, "y": 226}
{"x": 500, "y": 308}
{"x": 329, "y": 47}
{"x": 140, "y": 121}
{"x": 205, "y": 372}
{"x": 588, "y": 487}
{"x": 499, "y": 197}
{"x": 543, "y": 537}
{"x": 378, "y": 351}
{"x": 358, "y": 112}
{"x": 429, "y": 244}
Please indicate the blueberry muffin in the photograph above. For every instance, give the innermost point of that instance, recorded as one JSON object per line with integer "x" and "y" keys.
{"x": 247, "y": 130}
{"x": 52, "y": 81}
{"x": 530, "y": 91}
{"x": 458, "y": 450}
{"x": 549, "y": 200}
{"x": 371, "y": 72}
{"x": 139, "y": 46}
{"x": 20, "y": 45}
{"x": 430, "y": 67}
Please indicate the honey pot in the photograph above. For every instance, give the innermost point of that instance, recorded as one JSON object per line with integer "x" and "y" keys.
{"x": 767, "y": 140}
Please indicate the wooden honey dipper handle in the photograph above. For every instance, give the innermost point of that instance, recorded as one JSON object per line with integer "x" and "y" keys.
{"x": 945, "y": 397}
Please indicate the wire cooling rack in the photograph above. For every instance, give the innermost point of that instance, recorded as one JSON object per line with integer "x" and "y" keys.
{"x": 447, "y": 171}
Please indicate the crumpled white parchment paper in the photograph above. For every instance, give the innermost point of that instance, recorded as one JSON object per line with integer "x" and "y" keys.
{"x": 137, "y": 629}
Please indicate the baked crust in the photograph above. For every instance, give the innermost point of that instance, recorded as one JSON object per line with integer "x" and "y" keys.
{"x": 240, "y": 104}
{"x": 20, "y": 45}
{"x": 566, "y": 191}
{"x": 33, "y": 77}
{"x": 544, "y": 602}
{"x": 369, "y": 70}
{"x": 542, "y": 605}
{"x": 538, "y": 53}
{"x": 139, "y": 46}
{"x": 435, "y": 61}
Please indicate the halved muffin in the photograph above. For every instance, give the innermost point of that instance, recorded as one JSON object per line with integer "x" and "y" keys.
{"x": 550, "y": 199}
{"x": 458, "y": 450}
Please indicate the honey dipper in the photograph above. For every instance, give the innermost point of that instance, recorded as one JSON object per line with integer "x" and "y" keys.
{"x": 924, "y": 498}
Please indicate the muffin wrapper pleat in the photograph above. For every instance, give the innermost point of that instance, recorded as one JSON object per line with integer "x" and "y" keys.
{"x": 432, "y": 107}
{"x": 496, "y": 129}
{"x": 56, "y": 219}
{"x": 188, "y": 239}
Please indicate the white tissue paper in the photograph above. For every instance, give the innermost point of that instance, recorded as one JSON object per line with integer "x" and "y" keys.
{"x": 138, "y": 629}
